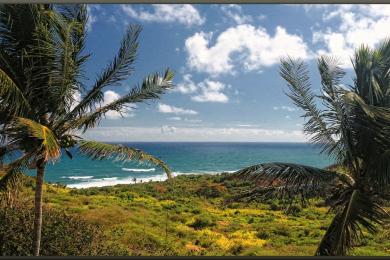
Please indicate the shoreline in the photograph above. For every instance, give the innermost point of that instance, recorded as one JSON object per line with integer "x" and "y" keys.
{"x": 113, "y": 181}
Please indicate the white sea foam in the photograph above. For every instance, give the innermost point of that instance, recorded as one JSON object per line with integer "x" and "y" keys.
{"x": 77, "y": 177}
{"x": 108, "y": 179}
{"x": 138, "y": 170}
{"x": 114, "y": 181}
{"x": 130, "y": 180}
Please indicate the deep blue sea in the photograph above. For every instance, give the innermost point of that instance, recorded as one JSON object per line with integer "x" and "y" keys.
{"x": 183, "y": 158}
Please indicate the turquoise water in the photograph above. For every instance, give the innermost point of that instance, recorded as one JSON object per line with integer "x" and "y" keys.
{"x": 183, "y": 158}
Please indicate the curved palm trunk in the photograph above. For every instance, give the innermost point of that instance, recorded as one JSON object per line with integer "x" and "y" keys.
{"x": 38, "y": 208}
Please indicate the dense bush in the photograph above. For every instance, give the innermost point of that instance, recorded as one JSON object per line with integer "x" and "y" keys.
{"x": 211, "y": 190}
{"x": 294, "y": 210}
{"x": 202, "y": 221}
{"x": 262, "y": 234}
{"x": 61, "y": 234}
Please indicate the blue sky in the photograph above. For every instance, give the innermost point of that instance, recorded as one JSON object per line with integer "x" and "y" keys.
{"x": 226, "y": 60}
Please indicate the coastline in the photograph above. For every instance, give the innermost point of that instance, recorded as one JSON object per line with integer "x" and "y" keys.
{"x": 112, "y": 181}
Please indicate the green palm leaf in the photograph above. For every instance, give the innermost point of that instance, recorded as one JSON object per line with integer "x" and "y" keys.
{"x": 13, "y": 175}
{"x": 287, "y": 179}
{"x": 12, "y": 96}
{"x": 297, "y": 76}
{"x": 356, "y": 212}
{"x": 49, "y": 147}
{"x": 99, "y": 151}
{"x": 118, "y": 70}
{"x": 152, "y": 87}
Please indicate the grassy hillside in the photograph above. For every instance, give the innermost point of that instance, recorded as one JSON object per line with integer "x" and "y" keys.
{"x": 191, "y": 216}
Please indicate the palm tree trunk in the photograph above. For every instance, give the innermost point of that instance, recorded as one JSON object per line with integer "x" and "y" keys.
{"x": 38, "y": 208}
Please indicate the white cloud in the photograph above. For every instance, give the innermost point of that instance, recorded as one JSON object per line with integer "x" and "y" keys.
{"x": 205, "y": 91}
{"x": 211, "y": 92}
{"x": 234, "y": 12}
{"x": 355, "y": 25}
{"x": 110, "y": 96}
{"x": 163, "y": 108}
{"x": 261, "y": 17}
{"x": 187, "y": 86}
{"x": 175, "y": 118}
{"x": 166, "y": 129}
{"x": 194, "y": 134}
{"x": 76, "y": 99}
{"x": 169, "y": 13}
{"x": 192, "y": 120}
{"x": 286, "y": 108}
{"x": 310, "y": 7}
{"x": 92, "y": 17}
{"x": 252, "y": 48}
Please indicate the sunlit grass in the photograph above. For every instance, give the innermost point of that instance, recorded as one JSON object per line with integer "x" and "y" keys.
{"x": 176, "y": 218}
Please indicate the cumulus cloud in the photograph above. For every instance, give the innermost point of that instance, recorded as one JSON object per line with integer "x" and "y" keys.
{"x": 76, "y": 99}
{"x": 286, "y": 108}
{"x": 111, "y": 96}
{"x": 92, "y": 17}
{"x": 186, "y": 86}
{"x": 166, "y": 129}
{"x": 185, "y": 119}
{"x": 168, "y": 13}
{"x": 164, "y": 108}
{"x": 242, "y": 46}
{"x": 204, "y": 91}
{"x": 175, "y": 118}
{"x": 211, "y": 92}
{"x": 234, "y": 12}
{"x": 194, "y": 134}
{"x": 354, "y": 25}
{"x": 108, "y": 97}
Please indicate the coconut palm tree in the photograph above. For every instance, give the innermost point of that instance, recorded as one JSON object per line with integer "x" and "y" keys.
{"x": 41, "y": 73}
{"x": 352, "y": 125}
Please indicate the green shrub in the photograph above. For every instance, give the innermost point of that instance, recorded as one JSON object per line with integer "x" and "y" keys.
{"x": 281, "y": 231}
{"x": 262, "y": 234}
{"x": 202, "y": 221}
{"x": 274, "y": 206}
{"x": 61, "y": 234}
{"x": 233, "y": 205}
{"x": 211, "y": 190}
{"x": 195, "y": 211}
{"x": 294, "y": 210}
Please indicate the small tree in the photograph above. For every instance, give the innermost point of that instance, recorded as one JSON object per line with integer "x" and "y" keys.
{"x": 41, "y": 72}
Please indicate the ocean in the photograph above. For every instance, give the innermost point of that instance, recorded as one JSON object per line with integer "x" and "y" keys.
{"x": 182, "y": 158}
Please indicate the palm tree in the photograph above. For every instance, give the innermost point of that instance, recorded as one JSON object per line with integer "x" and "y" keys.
{"x": 41, "y": 71}
{"x": 352, "y": 125}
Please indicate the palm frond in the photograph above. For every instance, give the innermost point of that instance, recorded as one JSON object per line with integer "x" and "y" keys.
{"x": 118, "y": 70}
{"x": 11, "y": 96}
{"x": 331, "y": 74}
{"x": 367, "y": 67}
{"x": 152, "y": 87}
{"x": 71, "y": 59}
{"x": 13, "y": 176}
{"x": 296, "y": 74}
{"x": 379, "y": 172}
{"x": 382, "y": 75}
{"x": 356, "y": 213}
{"x": 334, "y": 114}
{"x": 288, "y": 179}
{"x": 369, "y": 127}
{"x": 99, "y": 151}
{"x": 49, "y": 147}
